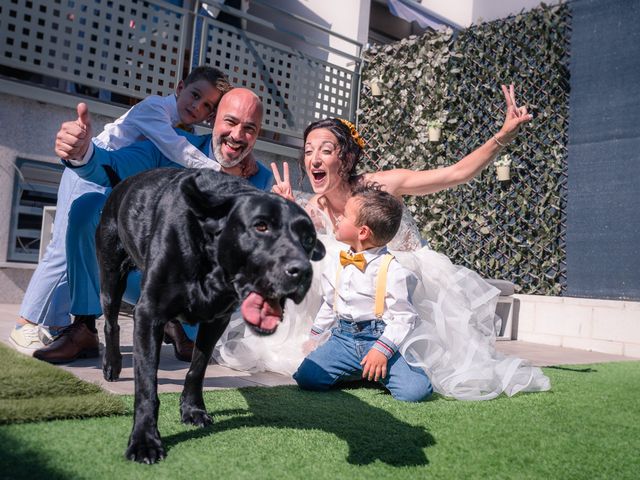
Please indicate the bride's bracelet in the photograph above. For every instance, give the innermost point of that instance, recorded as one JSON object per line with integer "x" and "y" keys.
{"x": 500, "y": 144}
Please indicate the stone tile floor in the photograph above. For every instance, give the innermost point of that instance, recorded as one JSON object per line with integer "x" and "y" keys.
{"x": 172, "y": 371}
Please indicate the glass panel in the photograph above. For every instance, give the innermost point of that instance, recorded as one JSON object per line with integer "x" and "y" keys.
{"x": 35, "y": 188}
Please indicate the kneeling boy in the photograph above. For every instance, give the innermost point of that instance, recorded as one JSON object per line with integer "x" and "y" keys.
{"x": 367, "y": 301}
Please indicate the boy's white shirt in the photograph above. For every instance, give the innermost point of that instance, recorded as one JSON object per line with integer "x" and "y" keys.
{"x": 357, "y": 291}
{"x": 154, "y": 118}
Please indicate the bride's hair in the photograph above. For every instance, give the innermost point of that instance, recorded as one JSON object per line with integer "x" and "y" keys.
{"x": 349, "y": 149}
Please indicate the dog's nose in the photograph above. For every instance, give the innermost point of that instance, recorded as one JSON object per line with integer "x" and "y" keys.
{"x": 297, "y": 268}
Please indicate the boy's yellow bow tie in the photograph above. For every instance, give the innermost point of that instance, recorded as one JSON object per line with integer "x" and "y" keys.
{"x": 348, "y": 259}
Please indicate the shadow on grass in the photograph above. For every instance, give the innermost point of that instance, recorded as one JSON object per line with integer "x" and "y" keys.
{"x": 574, "y": 369}
{"x": 371, "y": 433}
{"x": 18, "y": 462}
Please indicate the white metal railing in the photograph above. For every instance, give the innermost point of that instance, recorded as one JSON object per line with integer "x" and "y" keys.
{"x": 136, "y": 48}
{"x": 131, "y": 47}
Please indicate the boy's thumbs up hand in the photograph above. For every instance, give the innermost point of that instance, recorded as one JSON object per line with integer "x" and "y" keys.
{"x": 84, "y": 119}
{"x": 73, "y": 138}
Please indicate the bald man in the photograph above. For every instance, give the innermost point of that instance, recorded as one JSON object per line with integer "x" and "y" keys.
{"x": 233, "y": 137}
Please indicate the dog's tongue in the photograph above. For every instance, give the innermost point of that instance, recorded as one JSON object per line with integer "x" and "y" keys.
{"x": 263, "y": 314}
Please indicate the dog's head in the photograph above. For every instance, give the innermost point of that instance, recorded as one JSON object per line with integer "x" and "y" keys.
{"x": 263, "y": 243}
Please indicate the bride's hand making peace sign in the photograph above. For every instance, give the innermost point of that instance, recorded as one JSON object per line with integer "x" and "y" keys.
{"x": 514, "y": 116}
{"x": 282, "y": 186}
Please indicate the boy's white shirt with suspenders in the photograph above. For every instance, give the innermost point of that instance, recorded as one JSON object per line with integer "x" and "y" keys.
{"x": 349, "y": 297}
{"x": 381, "y": 287}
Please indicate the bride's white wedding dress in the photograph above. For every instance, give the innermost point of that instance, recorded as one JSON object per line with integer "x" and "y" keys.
{"x": 454, "y": 342}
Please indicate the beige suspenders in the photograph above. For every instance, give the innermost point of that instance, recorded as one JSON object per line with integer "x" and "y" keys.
{"x": 381, "y": 286}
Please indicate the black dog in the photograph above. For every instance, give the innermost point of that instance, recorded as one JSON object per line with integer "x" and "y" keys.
{"x": 204, "y": 242}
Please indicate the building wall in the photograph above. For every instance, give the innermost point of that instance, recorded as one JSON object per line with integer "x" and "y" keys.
{"x": 467, "y": 12}
{"x": 29, "y": 130}
{"x": 605, "y": 326}
{"x": 350, "y": 19}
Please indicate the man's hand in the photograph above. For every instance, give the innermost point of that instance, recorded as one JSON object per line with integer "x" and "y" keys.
{"x": 73, "y": 138}
{"x": 374, "y": 365}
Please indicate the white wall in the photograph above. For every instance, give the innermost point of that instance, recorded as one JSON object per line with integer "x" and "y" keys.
{"x": 607, "y": 326}
{"x": 346, "y": 17}
{"x": 349, "y": 18}
{"x": 459, "y": 12}
{"x": 466, "y": 12}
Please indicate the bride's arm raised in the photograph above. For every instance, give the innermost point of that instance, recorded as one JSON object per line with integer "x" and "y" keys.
{"x": 410, "y": 182}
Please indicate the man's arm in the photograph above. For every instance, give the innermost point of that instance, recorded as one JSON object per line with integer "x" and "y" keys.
{"x": 152, "y": 119}
{"x": 128, "y": 161}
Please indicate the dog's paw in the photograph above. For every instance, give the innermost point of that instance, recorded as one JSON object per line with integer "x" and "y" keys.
{"x": 146, "y": 449}
{"x": 111, "y": 369}
{"x": 196, "y": 416}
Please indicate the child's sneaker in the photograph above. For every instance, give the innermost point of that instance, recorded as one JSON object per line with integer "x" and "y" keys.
{"x": 26, "y": 338}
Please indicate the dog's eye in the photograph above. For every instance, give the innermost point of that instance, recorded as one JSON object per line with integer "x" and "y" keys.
{"x": 261, "y": 226}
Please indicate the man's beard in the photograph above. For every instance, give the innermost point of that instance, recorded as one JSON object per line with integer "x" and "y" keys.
{"x": 217, "y": 152}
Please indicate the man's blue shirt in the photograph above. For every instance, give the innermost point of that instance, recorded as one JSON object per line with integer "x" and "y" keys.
{"x": 144, "y": 155}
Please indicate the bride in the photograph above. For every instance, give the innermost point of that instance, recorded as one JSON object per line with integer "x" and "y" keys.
{"x": 454, "y": 341}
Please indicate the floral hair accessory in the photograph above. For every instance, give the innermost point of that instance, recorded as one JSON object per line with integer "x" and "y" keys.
{"x": 354, "y": 133}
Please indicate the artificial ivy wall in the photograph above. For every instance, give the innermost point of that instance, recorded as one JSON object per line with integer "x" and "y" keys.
{"x": 513, "y": 231}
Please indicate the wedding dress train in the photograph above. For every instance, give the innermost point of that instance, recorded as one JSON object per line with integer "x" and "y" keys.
{"x": 454, "y": 342}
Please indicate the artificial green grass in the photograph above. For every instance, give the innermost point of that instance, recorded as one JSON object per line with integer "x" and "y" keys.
{"x": 588, "y": 426}
{"x": 32, "y": 390}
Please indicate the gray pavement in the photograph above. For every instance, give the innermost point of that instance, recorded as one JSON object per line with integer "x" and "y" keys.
{"x": 172, "y": 371}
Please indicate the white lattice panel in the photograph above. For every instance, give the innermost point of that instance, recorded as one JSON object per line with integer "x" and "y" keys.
{"x": 296, "y": 89}
{"x": 132, "y": 47}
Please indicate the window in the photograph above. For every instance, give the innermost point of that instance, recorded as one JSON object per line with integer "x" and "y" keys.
{"x": 35, "y": 187}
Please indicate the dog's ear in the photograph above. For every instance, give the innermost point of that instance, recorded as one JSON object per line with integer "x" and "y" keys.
{"x": 318, "y": 251}
{"x": 211, "y": 195}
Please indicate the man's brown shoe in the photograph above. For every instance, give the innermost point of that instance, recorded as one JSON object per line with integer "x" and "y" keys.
{"x": 75, "y": 341}
{"x": 182, "y": 346}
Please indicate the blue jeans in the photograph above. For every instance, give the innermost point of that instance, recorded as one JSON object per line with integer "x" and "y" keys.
{"x": 339, "y": 359}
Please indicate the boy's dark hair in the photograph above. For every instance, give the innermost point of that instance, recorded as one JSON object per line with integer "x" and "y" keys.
{"x": 379, "y": 210}
{"x": 212, "y": 75}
